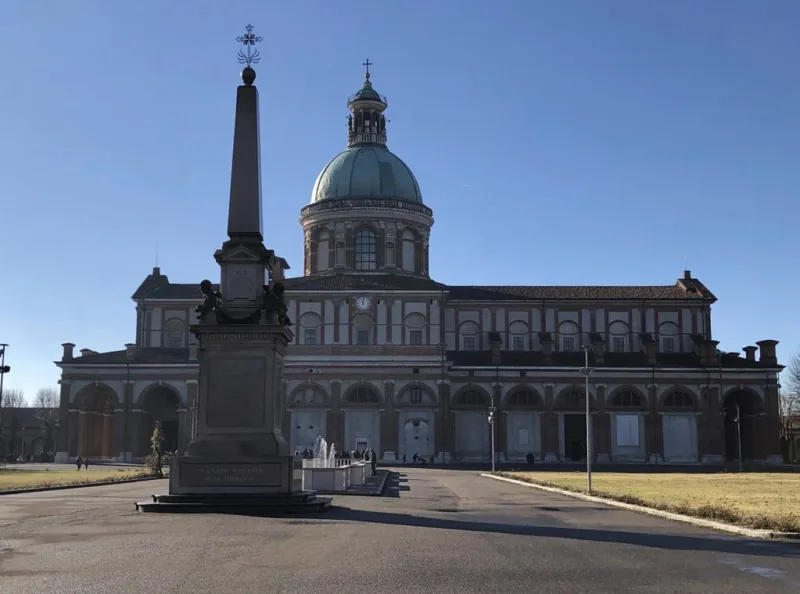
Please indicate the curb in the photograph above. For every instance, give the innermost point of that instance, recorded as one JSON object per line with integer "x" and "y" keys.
{"x": 63, "y": 487}
{"x": 730, "y": 528}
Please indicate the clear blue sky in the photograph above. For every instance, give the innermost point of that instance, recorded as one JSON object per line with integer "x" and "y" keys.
{"x": 569, "y": 142}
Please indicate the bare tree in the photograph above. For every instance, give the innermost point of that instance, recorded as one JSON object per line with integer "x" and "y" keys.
{"x": 12, "y": 398}
{"x": 46, "y": 403}
{"x": 790, "y": 404}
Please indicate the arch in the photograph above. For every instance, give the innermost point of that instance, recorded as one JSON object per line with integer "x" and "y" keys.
{"x": 568, "y": 336}
{"x": 416, "y": 394}
{"x": 409, "y": 248}
{"x": 627, "y": 397}
{"x": 519, "y": 336}
{"x": 469, "y": 336}
{"x": 679, "y": 399}
{"x": 310, "y": 329}
{"x": 159, "y": 404}
{"x": 365, "y": 251}
{"x": 362, "y": 393}
{"x": 97, "y": 422}
{"x": 741, "y": 408}
{"x": 573, "y": 398}
{"x": 174, "y": 334}
{"x": 669, "y": 337}
{"x": 677, "y": 387}
{"x": 416, "y": 327}
{"x": 308, "y": 394}
{"x": 362, "y": 325}
{"x": 472, "y": 397}
{"x": 619, "y": 336}
{"x": 523, "y": 396}
{"x": 323, "y": 248}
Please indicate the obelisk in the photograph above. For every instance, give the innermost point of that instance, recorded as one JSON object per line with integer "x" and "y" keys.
{"x": 239, "y": 456}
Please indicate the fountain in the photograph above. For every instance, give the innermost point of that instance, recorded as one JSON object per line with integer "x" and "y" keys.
{"x": 324, "y": 472}
{"x": 323, "y": 457}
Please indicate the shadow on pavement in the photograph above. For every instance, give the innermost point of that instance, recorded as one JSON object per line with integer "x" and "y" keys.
{"x": 719, "y": 544}
{"x": 396, "y": 483}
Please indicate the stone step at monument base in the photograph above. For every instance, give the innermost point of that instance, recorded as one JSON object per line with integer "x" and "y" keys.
{"x": 303, "y": 502}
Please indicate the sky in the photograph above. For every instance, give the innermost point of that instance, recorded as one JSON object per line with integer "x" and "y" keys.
{"x": 570, "y": 142}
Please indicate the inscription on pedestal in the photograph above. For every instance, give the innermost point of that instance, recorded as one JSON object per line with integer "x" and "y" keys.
{"x": 236, "y": 392}
{"x": 241, "y": 283}
{"x": 230, "y": 475}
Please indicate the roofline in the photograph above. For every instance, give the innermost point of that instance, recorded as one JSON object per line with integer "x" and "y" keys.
{"x": 77, "y": 362}
{"x": 612, "y": 368}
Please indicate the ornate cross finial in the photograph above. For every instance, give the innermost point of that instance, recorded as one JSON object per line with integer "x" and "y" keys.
{"x": 249, "y": 40}
{"x": 367, "y": 63}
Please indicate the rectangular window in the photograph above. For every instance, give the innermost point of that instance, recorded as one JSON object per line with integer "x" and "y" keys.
{"x": 470, "y": 344}
{"x": 518, "y": 343}
{"x": 415, "y": 337}
{"x": 416, "y": 395}
{"x": 618, "y": 344}
{"x": 668, "y": 344}
{"x": 310, "y": 336}
{"x": 568, "y": 344}
{"x": 362, "y": 336}
{"x": 628, "y": 431}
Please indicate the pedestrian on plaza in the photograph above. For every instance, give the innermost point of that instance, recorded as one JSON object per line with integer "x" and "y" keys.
{"x": 79, "y": 462}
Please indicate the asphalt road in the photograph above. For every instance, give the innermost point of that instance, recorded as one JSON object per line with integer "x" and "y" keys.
{"x": 435, "y": 530}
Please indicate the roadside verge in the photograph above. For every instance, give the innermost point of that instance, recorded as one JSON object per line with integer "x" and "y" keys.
{"x": 701, "y": 522}
{"x": 80, "y": 485}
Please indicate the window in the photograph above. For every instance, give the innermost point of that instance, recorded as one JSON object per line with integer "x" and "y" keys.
{"x": 568, "y": 344}
{"x": 470, "y": 344}
{"x": 668, "y": 344}
{"x": 472, "y": 398}
{"x": 669, "y": 333}
{"x": 340, "y": 251}
{"x": 628, "y": 430}
{"x": 362, "y": 337}
{"x": 416, "y": 395}
{"x": 679, "y": 399}
{"x": 309, "y": 336}
{"x": 311, "y": 325}
{"x": 524, "y": 397}
{"x": 626, "y": 398}
{"x": 366, "y": 250}
{"x": 323, "y": 251}
{"x": 363, "y": 394}
{"x": 518, "y": 343}
{"x": 415, "y": 326}
{"x": 568, "y": 332}
{"x": 409, "y": 250}
{"x": 390, "y": 254}
{"x": 415, "y": 337}
{"x": 618, "y": 344}
{"x": 175, "y": 334}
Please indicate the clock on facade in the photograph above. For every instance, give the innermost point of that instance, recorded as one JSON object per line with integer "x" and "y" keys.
{"x": 363, "y": 303}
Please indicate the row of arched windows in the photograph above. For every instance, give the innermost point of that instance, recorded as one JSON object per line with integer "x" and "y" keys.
{"x": 365, "y": 252}
{"x": 568, "y": 338}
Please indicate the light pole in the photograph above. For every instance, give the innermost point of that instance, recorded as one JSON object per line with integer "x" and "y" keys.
{"x": 587, "y": 371}
{"x": 739, "y": 435}
{"x": 491, "y": 427}
{"x": 3, "y": 371}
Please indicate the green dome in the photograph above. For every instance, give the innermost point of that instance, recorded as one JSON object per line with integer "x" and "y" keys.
{"x": 366, "y": 172}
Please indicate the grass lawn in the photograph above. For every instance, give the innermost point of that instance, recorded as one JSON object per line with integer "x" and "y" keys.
{"x": 19, "y": 480}
{"x": 755, "y": 500}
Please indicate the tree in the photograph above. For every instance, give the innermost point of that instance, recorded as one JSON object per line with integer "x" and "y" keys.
{"x": 46, "y": 403}
{"x": 790, "y": 403}
{"x": 12, "y": 398}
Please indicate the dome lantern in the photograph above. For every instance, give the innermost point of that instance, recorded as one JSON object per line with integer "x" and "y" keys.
{"x": 366, "y": 123}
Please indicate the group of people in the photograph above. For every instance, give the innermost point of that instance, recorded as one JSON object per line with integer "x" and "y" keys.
{"x": 82, "y": 461}
{"x": 367, "y": 455}
{"x": 417, "y": 459}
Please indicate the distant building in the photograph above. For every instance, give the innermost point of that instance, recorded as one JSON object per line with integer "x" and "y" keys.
{"x": 386, "y": 358}
{"x": 28, "y": 432}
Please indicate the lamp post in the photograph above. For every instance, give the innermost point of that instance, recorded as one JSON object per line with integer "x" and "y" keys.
{"x": 3, "y": 371}
{"x": 587, "y": 371}
{"x": 739, "y": 435}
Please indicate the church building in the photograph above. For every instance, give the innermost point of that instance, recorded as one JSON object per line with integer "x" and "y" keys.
{"x": 384, "y": 357}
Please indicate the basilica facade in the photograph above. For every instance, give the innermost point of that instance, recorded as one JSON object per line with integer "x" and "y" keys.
{"x": 386, "y": 358}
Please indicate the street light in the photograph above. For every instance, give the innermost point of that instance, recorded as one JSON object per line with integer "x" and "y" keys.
{"x": 587, "y": 371}
{"x": 491, "y": 426}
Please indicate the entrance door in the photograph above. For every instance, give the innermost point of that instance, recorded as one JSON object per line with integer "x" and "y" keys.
{"x": 680, "y": 438}
{"x": 575, "y": 437}
{"x": 472, "y": 436}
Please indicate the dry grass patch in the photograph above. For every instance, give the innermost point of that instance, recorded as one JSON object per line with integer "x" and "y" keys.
{"x": 755, "y": 500}
{"x": 21, "y": 480}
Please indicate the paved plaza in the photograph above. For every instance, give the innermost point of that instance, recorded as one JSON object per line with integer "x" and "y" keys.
{"x": 432, "y": 531}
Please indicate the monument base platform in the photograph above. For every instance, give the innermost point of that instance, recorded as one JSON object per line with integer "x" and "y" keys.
{"x": 265, "y": 505}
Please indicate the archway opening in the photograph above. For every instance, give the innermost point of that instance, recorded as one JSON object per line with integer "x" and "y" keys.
{"x": 741, "y": 410}
{"x": 97, "y": 423}
{"x": 159, "y": 405}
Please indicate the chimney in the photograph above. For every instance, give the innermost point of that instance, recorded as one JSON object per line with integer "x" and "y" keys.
{"x": 767, "y": 352}
{"x": 156, "y": 271}
{"x": 130, "y": 351}
{"x": 546, "y": 339}
{"x": 496, "y": 342}
{"x": 68, "y": 351}
{"x": 750, "y": 353}
{"x": 598, "y": 346}
{"x": 687, "y": 275}
{"x": 649, "y": 345}
{"x": 85, "y": 352}
{"x": 193, "y": 351}
{"x": 709, "y": 355}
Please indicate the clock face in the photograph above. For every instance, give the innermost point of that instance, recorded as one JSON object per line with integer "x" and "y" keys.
{"x": 363, "y": 303}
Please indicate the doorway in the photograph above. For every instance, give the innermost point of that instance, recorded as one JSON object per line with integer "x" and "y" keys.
{"x": 741, "y": 411}
{"x": 575, "y": 437}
